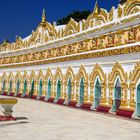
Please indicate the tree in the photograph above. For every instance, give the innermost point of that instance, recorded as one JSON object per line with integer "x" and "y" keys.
{"x": 76, "y": 15}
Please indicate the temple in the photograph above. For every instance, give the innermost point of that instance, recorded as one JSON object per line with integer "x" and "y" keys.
{"x": 94, "y": 63}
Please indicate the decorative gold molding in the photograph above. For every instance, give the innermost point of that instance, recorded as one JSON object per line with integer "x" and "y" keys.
{"x": 82, "y": 73}
{"x": 69, "y": 74}
{"x": 32, "y": 76}
{"x": 98, "y": 72}
{"x": 134, "y": 78}
{"x": 58, "y": 75}
{"x": 48, "y": 76}
{"x": 131, "y": 7}
{"x": 117, "y": 51}
{"x": 118, "y": 71}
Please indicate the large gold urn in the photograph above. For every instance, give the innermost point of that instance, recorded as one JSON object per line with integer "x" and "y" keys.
{"x": 7, "y": 105}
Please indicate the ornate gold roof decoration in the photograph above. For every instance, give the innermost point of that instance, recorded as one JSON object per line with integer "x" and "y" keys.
{"x": 135, "y": 74}
{"x": 5, "y": 41}
{"x": 122, "y": 2}
{"x": 71, "y": 28}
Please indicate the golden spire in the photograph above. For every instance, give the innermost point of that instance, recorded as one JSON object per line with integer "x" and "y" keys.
{"x": 43, "y": 21}
{"x": 96, "y": 11}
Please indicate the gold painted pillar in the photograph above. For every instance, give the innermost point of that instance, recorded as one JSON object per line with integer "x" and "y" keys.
{"x": 132, "y": 96}
{"x": 0, "y": 85}
{"x": 65, "y": 90}
{"x": 53, "y": 89}
{"x": 73, "y": 90}
{"x": 6, "y": 86}
{"x": 44, "y": 88}
{"x": 103, "y": 93}
{"x": 111, "y": 90}
{"x": 86, "y": 92}
{"x": 35, "y": 87}
{"x": 21, "y": 86}
{"x": 62, "y": 91}
{"x": 124, "y": 97}
{"x": 14, "y": 86}
{"x": 91, "y": 92}
{"x": 28, "y": 87}
{"x": 77, "y": 90}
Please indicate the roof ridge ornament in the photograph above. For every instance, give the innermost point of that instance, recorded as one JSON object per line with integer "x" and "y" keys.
{"x": 96, "y": 11}
{"x": 5, "y": 41}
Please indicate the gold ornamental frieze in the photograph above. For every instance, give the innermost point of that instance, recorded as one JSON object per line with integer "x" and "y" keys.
{"x": 104, "y": 53}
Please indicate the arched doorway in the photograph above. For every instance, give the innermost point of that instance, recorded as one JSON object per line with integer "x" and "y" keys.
{"x": 3, "y": 86}
{"x": 137, "y": 109}
{"x": 32, "y": 88}
{"x": 81, "y": 93}
{"x": 58, "y": 91}
{"x": 40, "y": 89}
{"x": 138, "y": 101}
{"x": 69, "y": 90}
{"x": 117, "y": 96}
{"x": 24, "y": 88}
{"x": 17, "y": 86}
{"x": 97, "y": 95}
{"x": 10, "y": 86}
{"x": 48, "y": 95}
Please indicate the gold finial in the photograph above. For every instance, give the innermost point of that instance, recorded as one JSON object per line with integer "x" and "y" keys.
{"x": 96, "y": 11}
{"x": 43, "y": 16}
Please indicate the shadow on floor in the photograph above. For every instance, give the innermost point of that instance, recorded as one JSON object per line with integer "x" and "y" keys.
{"x": 21, "y": 118}
{"x": 13, "y": 123}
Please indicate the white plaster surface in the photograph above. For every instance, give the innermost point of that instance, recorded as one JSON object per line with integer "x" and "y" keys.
{"x": 53, "y": 122}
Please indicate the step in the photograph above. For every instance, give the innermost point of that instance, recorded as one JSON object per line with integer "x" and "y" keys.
{"x": 72, "y": 103}
{"x": 34, "y": 96}
{"x": 60, "y": 101}
{"x": 104, "y": 109}
{"x": 42, "y": 98}
{"x": 86, "y": 106}
{"x": 51, "y": 100}
{"x": 124, "y": 113}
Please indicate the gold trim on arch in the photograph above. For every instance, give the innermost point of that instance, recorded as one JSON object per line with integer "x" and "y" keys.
{"x": 130, "y": 7}
{"x": 98, "y": 71}
{"x": 118, "y": 70}
{"x": 82, "y": 73}
{"x": 69, "y": 74}
{"x": 58, "y": 75}
{"x": 46, "y": 78}
{"x": 134, "y": 78}
{"x": 33, "y": 76}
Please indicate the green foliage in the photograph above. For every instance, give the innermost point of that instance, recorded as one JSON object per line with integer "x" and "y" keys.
{"x": 76, "y": 15}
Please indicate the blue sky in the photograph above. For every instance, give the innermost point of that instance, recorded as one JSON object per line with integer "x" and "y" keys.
{"x": 20, "y": 17}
